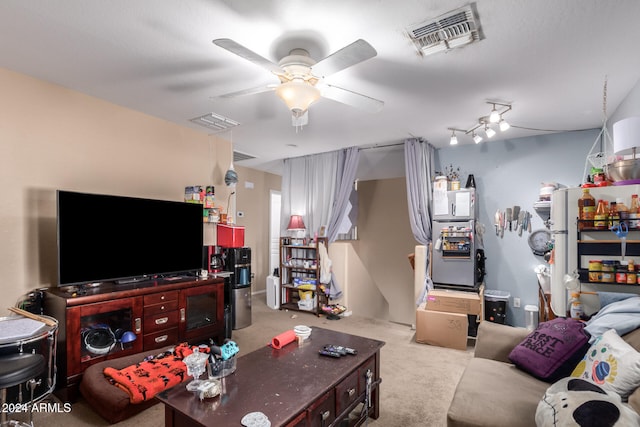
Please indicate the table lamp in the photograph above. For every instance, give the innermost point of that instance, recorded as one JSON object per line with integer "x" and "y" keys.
{"x": 296, "y": 227}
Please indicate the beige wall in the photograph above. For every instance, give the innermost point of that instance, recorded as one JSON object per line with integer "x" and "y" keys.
{"x": 254, "y": 202}
{"x": 53, "y": 138}
{"x": 375, "y": 268}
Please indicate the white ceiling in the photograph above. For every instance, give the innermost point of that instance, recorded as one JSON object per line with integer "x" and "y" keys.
{"x": 549, "y": 58}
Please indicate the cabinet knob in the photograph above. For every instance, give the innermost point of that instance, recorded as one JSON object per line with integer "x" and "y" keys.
{"x": 162, "y": 297}
{"x": 325, "y": 415}
{"x": 351, "y": 392}
{"x": 182, "y": 315}
{"x": 162, "y": 320}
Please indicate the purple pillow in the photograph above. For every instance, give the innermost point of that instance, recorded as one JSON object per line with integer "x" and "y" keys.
{"x": 552, "y": 350}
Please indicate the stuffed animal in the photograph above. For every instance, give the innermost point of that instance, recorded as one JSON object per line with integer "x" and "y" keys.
{"x": 581, "y": 403}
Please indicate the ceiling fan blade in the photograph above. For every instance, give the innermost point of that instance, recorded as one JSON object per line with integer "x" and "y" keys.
{"x": 250, "y": 91}
{"x": 247, "y": 54}
{"x": 349, "y": 97}
{"x": 349, "y": 55}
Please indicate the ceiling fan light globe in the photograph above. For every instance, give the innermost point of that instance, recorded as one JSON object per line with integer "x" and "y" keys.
{"x": 298, "y": 95}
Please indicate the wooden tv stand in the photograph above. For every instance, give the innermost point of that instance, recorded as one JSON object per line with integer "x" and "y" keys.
{"x": 159, "y": 312}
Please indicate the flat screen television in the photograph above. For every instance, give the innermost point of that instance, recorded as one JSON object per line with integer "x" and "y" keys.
{"x": 115, "y": 238}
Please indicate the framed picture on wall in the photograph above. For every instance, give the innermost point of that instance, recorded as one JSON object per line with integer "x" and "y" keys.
{"x": 323, "y": 231}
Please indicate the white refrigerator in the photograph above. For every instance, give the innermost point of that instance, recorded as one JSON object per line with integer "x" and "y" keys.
{"x": 564, "y": 233}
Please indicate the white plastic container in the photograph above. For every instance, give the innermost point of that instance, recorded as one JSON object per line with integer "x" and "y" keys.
{"x": 531, "y": 317}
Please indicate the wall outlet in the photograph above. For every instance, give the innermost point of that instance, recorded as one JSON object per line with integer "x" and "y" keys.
{"x": 516, "y": 302}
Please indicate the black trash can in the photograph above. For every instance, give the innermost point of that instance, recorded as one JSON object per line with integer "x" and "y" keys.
{"x": 495, "y": 305}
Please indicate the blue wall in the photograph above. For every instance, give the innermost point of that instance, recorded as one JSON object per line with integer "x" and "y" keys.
{"x": 507, "y": 173}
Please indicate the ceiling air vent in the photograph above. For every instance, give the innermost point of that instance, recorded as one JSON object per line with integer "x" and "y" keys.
{"x": 238, "y": 156}
{"x": 453, "y": 29}
{"x": 215, "y": 121}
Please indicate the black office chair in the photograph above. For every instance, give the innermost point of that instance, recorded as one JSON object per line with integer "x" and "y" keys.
{"x": 17, "y": 369}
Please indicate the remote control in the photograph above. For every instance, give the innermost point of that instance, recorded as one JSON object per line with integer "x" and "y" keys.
{"x": 329, "y": 353}
{"x": 351, "y": 351}
{"x": 340, "y": 349}
{"x": 335, "y": 349}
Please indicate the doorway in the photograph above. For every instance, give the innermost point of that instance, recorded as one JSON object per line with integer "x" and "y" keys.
{"x": 274, "y": 230}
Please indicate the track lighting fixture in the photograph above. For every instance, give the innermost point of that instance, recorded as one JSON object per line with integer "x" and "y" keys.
{"x": 495, "y": 116}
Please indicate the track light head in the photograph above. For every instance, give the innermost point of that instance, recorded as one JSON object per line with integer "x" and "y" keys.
{"x": 504, "y": 125}
{"x": 490, "y": 132}
{"x": 494, "y": 117}
{"x": 477, "y": 138}
{"x": 454, "y": 138}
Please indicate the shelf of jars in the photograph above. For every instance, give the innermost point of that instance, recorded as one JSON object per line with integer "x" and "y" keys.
{"x": 610, "y": 259}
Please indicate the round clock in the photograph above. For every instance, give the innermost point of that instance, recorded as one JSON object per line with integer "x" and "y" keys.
{"x": 539, "y": 241}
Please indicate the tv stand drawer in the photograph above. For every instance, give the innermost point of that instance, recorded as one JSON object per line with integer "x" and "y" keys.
{"x": 160, "y": 321}
{"x": 160, "y": 339}
{"x": 160, "y": 297}
{"x": 160, "y": 308}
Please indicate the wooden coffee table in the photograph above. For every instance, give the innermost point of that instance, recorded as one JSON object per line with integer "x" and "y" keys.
{"x": 294, "y": 386}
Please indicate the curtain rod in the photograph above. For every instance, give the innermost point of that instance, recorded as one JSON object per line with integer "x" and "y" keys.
{"x": 380, "y": 146}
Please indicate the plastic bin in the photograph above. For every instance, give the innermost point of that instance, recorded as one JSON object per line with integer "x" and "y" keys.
{"x": 531, "y": 317}
{"x": 495, "y": 305}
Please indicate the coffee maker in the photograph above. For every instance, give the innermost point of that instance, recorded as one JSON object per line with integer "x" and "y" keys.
{"x": 213, "y": 259}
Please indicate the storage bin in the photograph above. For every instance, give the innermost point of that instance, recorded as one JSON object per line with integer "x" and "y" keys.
{"x": 230, "y": 236}
{"x": 307, "y": 304}
{"x": 531, "y": 317}
{"x": 495, "y": 305}
{"x": 221, "y": 368}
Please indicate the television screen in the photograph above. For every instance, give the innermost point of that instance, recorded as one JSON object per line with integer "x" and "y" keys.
{"x": 110, "y": 238}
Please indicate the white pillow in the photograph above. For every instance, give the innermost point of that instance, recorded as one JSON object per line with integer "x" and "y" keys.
{"x": 577, "y": 402}
{"x": 612, "y": 364}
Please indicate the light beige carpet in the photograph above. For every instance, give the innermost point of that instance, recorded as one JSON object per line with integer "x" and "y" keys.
{"x": 418, "y": 380}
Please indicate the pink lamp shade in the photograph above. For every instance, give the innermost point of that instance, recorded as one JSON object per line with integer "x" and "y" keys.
{"x": 296, "y": 223}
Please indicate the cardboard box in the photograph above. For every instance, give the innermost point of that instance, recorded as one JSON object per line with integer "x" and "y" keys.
{"x": 454, "y": 301}
{"x": 441, "y": 328}
{"x": 230, "y": 236}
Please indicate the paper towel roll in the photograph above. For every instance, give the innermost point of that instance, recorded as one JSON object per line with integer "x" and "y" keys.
{"x": 283, "y": 339}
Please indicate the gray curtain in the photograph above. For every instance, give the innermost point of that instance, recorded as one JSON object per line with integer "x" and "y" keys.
{"x": 345, "y": 178}
{"x": 308, "y": 189}
{"x": 318, "y": 187}
{"x": 419, "y": 166}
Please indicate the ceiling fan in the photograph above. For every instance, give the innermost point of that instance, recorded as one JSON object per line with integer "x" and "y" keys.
{"x": 302, "y": 78}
